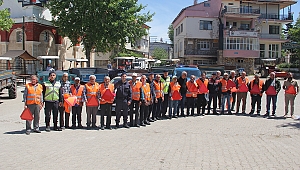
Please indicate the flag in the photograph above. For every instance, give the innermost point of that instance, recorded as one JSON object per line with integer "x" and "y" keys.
{"x": 176, "y": 95}
{"x": 92, "y": 101}
{"x": 243, "y": 88}
{"x": 203, "y": 89}
{"x": 291, "y": 90}
{"x": 108, "y": 95}
{"x": 271, "y": 91}
{"x": 230, "y": 84}
{"x": 255, "y": 89}
{"x": 71, "y": 101}
{"x": 233, "y": 90}
{"x": 26, "y": 114}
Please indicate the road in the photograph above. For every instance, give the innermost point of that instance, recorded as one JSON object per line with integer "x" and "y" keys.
{"x": 210, "y": 142}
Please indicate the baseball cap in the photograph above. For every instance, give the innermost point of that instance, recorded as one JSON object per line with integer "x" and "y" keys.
{"x": 165, "y": 71}
{"x": 77, "y": 78}
{"x": 134, "y": 75}
{"x": 225, "y": 74}
{"x": 151, "y": 73}
{"x": 174, "y": 77}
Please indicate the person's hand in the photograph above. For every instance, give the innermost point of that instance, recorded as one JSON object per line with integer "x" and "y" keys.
{"x": 140, "y": 103}
{"x": 25, "y": 107}
{"x": 41, "y": 106}
{"x": 60, "y": 104}
{"x": 171, "y": 98}
{"x": 162, "y": 99}
{"x": 102, "y": 100}
{"x": 156, "y": 100}
{"x": 128, "y": 103}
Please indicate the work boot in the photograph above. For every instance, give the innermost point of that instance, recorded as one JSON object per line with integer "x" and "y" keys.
{"x": 28, "y": 132}
{"x": 251, "y": 113}
{"x": 125, "y": 125}
{"x": 47, "y": 128}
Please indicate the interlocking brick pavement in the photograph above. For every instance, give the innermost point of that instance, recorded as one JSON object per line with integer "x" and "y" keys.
{"x": 210, "y": 142}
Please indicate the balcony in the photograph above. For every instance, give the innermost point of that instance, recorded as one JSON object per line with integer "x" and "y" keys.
{"x": 241, "y": 54}
{"x": 241, "y": 12}
{"x": 200, "y": 52}
{"x": 240, "y": 33}
{"x": 269, "y": 36}
{"x": 276, "y": 17}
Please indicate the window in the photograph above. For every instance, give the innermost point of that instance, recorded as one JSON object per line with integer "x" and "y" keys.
{"x": 273, "y": 50}
{"x": 19, "y": 35}
{"x": 240, "y": 61}
{"x": 273, "y": 29}
{"x": 180, "y": 46}
{"x": 206, "y": 4}
{"x": 46, "y": 36}
{"x": 205, "y": 25}
{"x": 181, "y": 28}
{"x": 234, "y": 24}
{"x": 262, "y": 50}
{"x": 245, "y": 26}
{"x": 230, "y": 3}
{"x": 227, "y": 24}
{"x": 203, "y": 45}
{"x": 241, "y": 43}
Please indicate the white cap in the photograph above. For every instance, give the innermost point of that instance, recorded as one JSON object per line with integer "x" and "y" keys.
{"x": 134, "y": 75}
{"x": 174, "y": 77}
{"x": 77, "y": 78}
{"x": 225, "y": 74}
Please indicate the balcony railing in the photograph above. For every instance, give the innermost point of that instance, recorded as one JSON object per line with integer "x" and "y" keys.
{"x": 200, "y": 52}
{"x": 238, "y": 10}
{"x": 276, "y": 16}
{"x": 270, "y": 36}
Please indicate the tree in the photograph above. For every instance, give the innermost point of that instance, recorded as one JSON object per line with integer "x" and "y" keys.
{"x": 160, "y": 53}
{"x": 5, "y": 21}
{"x": 101, "y": 25}
{"x": 294, "y": 35}
{"x": 171, "y": 33}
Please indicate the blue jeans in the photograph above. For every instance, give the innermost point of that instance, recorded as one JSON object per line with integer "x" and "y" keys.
{"x": 173, "y": 105}
{"x": 226, "y": 97}
{"x": 274, "y": 100}
{"x": 181, "y": 104}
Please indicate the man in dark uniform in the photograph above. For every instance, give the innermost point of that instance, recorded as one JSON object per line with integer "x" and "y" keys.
{"x": 153, "y": 97}
{"x": 183, "y": 89}
{"x": 233, "y": 78}
{"x": 123, "y": 100}
{"x": 219, "y": 93}
{"x": 213, "y": 87}
{"x": 165, "y": 79}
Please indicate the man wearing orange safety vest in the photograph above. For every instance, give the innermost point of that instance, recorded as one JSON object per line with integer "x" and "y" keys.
{"x": 64, "y": 108}
{"x": 146, "y": 101}
{"x": 159, "y": 97}
{"x": 256, "y": 90}
{"x": 106, "y": 101}
{"x": 225, "y": 93}
{"x": 242, "y": 90}
{"x": 92, "y": 101}
{"x": 202, "y": 83}
{"x": 136, "y": 95}
{"x": 191, "y": 95}
{"x": 33, "y": 99}
{"x": 291, "y": 88}
{"x": 175, "y": 97}
{"x": 78, "y": 91}
{"x": 271, "y": 87}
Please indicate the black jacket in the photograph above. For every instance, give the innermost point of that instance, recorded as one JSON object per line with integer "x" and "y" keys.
{"x": 214, "y": 86}
{"x": 269, "y": 82}
{"x": 182, "y": 83}
{"x": 123, "y": 91}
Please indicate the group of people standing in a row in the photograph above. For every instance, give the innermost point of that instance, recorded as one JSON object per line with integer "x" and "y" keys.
{"x": 148, "y": 100}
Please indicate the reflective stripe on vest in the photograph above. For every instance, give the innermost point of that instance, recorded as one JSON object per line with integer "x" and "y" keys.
{"x": 136, "y": 90}
{"x": 78, "y": 93}
{"x": 166, "y": 84}
{"x": 91, "y": 90}
{"x": 174, "y": 87}
{"x": 224, "y": 85}
{"x": 34, "y": 94}
{"x": 158, "y": 89}
{"x": 146, "y": 90}
{"x": 52, "y": 91}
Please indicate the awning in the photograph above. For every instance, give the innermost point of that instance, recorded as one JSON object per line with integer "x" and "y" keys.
{"x": 77, "y": 59}
{"x": 19, "y": 53}
{"x": 5, "y": 58}
{"x": 48, "y": 57}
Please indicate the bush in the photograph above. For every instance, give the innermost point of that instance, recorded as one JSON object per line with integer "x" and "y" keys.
{"x": 288, "y": 65}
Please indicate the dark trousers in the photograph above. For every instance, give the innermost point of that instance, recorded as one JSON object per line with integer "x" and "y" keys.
{"x": 157, "y": 108}
{"x": 212, "y": 98}
{"x": 76, "y": 113}
{"x": 63, "y": 117}
{"x": 181, "y": 104}
{"x": 219, "y": 99}
{"x": 134, "y": 109}
{"x": 255, "y": 100}
{"x": 274, "y": 100}
{"x": 144, "y": 113}
{"x": 51, "y": 107}
{"x": 150, "y": 110}
{"x": 165, "y": 105}
{"x": 105, "y": 110}
{"x": 190, "y": 105}
{"x": 233, "y": 100}
{"x": 121, "y": 109}
{"x": 201, "y": 103}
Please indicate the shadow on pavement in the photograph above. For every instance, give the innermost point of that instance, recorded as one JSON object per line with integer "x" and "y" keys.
{"x": 17, "y": 132}
{"x": 295, "y": 125}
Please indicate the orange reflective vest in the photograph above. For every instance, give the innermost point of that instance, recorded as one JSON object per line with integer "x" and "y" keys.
{"x": 158, "y": 89}
{"x": 242, "y": 84}
{"x": 174, "y": 87}
{"x": 91, "y": 91}
{"x": 34, "y": 94}
{"x": 256, "y": 89}
{"x": 136, "y": 90}
{"x": 291, "y": 90}
{"x": 202, "y": 83}
{"x": 78, "y": 93}
{"x": 103, "y": 89}
{"x": 192, "y": 89}
{"x": 224, "y": 85}
{"x": 147, "y": 92}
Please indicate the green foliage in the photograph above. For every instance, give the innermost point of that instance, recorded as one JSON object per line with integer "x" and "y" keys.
{"x": 287, "y": 65}
{"x": 129, "y": 53}
{"x": 294, "y": 35}
{"x": 104, "y": 25}
{"x": 5, "y": 21}
{"x": 171, "y": 33}
{"x": 160, "y": 53}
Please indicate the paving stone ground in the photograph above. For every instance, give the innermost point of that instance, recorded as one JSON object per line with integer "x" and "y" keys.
{"x": 210, "y": 142}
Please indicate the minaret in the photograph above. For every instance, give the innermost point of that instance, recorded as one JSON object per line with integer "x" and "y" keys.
{"x": 195, "y": 2}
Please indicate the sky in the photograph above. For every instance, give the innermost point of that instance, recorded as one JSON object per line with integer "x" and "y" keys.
{"x": 166, "y": 11}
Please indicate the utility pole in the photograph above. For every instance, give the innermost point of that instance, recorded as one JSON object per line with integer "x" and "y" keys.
{"x": 23, "y": 32}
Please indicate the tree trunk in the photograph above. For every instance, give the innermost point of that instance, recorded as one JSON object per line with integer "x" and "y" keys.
{"x": 88, "y": 57}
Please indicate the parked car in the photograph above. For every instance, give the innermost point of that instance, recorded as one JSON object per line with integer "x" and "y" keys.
{"x": 191, "y": 70}
{"x": 44, "y": 75}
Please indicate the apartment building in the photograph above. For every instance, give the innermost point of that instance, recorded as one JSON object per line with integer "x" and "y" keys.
{"x": 231, "y": 33}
